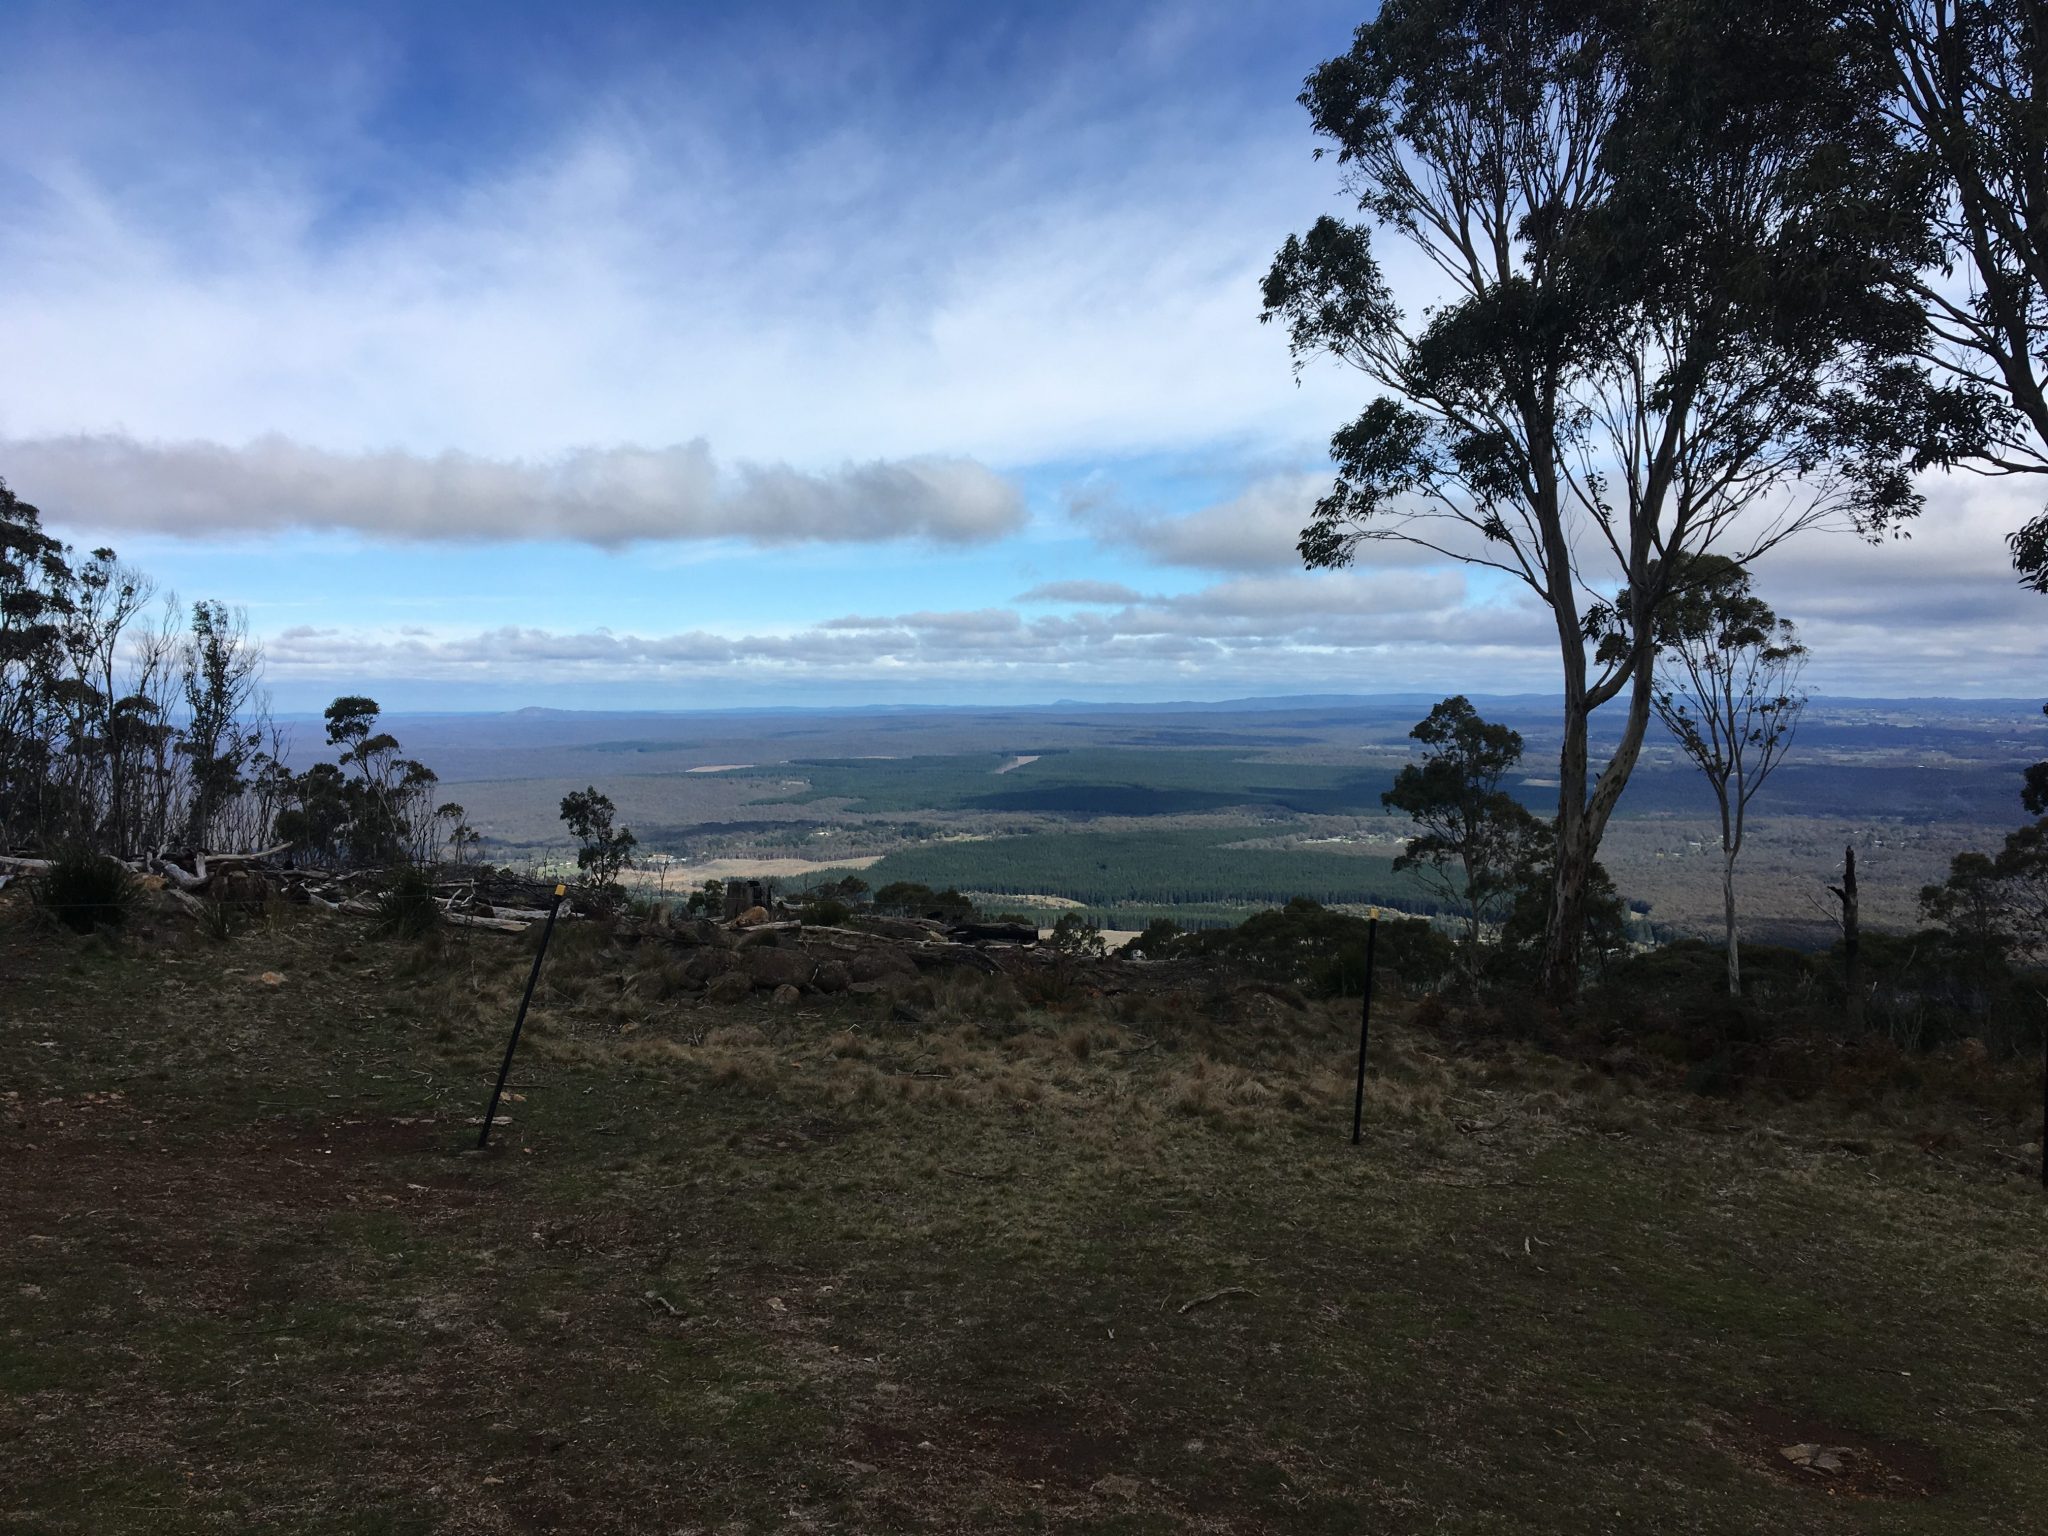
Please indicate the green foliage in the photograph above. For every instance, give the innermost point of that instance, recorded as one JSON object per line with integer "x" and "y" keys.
{"x": 406, "y": 908}
{"x": 1123, "y": 870}
{"x": 1522, "y": 933}
{"x": 220, "y": 675}
{"x": 910, "y": 899}
{"x": 383, "y": 812}
{"x": 708, "y": 898}
{"x": 1323, "y": 953}
{"x": 1967, "y": 82}
{"x": 1927, "y": 991}
{"x": 85, "y": 890}
{"x": 1073, "y": 934}
{"x": 1156, "y": 941}
{"x": 1091, "y": 782}
{"x": 1665, "y": 249}
{"x": 1996, "y": 905}
{"x": 606, "y": 849}
{"x": 1473, "y": 832}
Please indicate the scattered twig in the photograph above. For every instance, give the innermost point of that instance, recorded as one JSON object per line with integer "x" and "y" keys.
{"x": 654, "y": 1298}
{"x": 1202, "y": 1301}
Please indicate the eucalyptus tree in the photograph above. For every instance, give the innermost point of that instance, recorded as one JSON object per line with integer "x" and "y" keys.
{"x": 1967, "y": 80}
{"x": 34, "y": 581}
{"x": 1471, "y": 833}
{"x": 1659, "y": 312}
{"x": 103, "y": 716}
{"x": 222, "y": 673}
{"x": 1727, "y": 688}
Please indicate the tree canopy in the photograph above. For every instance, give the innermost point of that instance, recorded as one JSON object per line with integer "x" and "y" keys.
{"x": 1671, "y": 247}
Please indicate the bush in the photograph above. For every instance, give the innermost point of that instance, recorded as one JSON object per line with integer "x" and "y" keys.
{"x": 1306, "y": 945}
{"x": 909, "y": 899}
{"x": 1073, "y": 934}
{"x": 84, "y": 890}
{"x": 406, "y": 908}
{"x": 827, "y": 914}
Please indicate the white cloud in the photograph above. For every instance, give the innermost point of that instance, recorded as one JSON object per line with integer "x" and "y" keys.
{"x": 602, "y": 496}
{"x": 1255, "y": 530}
{"x": 1083, "y": 591}
{"x": 1354, "y": 629}
{"x": 639, "y": 271}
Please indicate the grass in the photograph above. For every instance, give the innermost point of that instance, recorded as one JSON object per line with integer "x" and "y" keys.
{"x": 1106, "y": 1264}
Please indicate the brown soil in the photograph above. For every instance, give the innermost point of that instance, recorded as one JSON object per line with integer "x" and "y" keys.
{"x": 1869, "y": 1468}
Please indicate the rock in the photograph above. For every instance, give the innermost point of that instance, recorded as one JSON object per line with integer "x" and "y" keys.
{"x": 707, "y": 963}
{"x": 696, "y": 930}
{"x": 874, "y": 964}
{"x": 271, "y": 979}
{"x": 777, "y": 967}
{"x": 831, "y": 976}
{"x": 753, "y": 917}
{"x": 1815, "y": 1458}
{"x": 732, "y": 987}
{"x": 786, "y": 994}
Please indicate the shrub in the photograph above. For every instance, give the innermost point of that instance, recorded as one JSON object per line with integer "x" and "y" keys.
{"x": 1306, "y": 945}
{"x": 84, "y": 890}
{"x": 909, "y": 899}
{"x": 1073, "y": 934}
{"x": 406, "y": 908}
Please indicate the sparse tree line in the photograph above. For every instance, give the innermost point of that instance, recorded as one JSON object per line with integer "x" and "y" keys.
{"x": 125, "y": 726}
{"x": 131, "y": 726}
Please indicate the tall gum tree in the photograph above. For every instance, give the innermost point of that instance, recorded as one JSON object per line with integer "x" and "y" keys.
{"x": 1967, "y": 80}
{"x": 1669, "y": 245}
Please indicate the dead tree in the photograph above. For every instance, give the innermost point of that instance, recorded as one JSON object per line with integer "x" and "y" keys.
{"x": 1852, "y": 976}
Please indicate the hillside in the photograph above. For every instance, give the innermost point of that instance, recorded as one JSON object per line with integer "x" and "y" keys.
{"x": 1088, "y": 1251}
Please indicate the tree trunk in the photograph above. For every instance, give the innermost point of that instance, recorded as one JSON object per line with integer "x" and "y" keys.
{"x": 1728, "y": 916}
{"x": 1582, "y": 820}
{"x": 1565, "y": 924}
{"x": 1852, "y": 943}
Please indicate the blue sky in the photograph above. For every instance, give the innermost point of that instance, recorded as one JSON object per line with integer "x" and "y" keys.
{"x": 665, "y": 355}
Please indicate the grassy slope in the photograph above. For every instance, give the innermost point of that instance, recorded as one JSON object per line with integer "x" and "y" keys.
{"x": 932, "y": 1275}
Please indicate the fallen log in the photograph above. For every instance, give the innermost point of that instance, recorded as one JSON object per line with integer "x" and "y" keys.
{"x": 497, "y": 924}
{"x": 251, "y": 856}
{"x": 191, "y": 904}
{"x": 183, "y": 879}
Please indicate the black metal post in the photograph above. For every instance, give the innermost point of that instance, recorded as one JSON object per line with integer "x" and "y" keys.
{"x": 1372, "y": 930}
{"x": 505, "y": 1067}
{"x": 2044, "y": 1108}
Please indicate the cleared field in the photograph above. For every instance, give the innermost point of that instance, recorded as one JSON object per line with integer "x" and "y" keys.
{"x": 1130, "y": 871}
{"x": 1103, "y": 1269}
